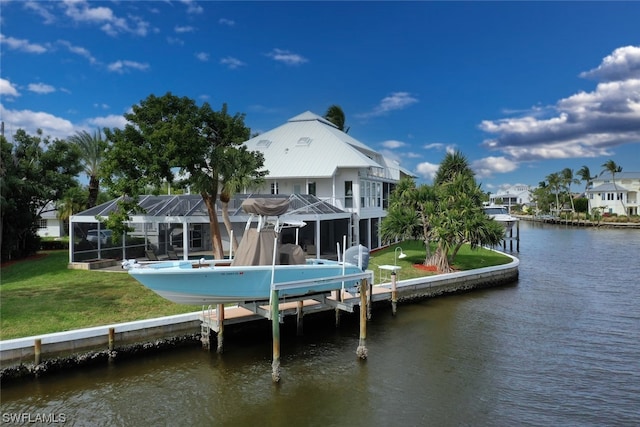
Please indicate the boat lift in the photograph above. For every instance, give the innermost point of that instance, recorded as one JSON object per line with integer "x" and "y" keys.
{"x": 271, "y": 309}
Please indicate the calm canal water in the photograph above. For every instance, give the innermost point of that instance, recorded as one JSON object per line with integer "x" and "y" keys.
{"x": 561, "y": 347}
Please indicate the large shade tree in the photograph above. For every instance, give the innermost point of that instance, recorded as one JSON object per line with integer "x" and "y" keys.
{"x": 35, "y": 171}
{"x": 171, "y": 136}
{"x": 242, "y": 171}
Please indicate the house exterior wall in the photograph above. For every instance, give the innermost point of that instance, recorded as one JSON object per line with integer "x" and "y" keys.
{"x": 620, "y": 198}
{"x": 517, "y": 195}
{"x": 51, "y": 228}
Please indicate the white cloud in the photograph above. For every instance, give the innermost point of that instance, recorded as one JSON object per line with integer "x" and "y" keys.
{"x": 202, "y": 56}
{"x": 439, "y": 146}
{"x": 185, "y": 29}
{"x": 123, "y": 66}
{"x": 81, "y": 51}
{"x": 8, "y": 89}
{"x": 227, "y": 22}
{"x": 392, "y": 143}
{"x": 487, "y": 167}
{"x": 175, "y": 41}
{"x": 586, "y": 124}
{"x": 622, "y": 64}
{"x": 22, "y": 45}
{"x": 82, "y": 12}
{"x": 110, "y": 121}
{"x": 393, "y": 102}
{"x": 41, "y": 88}
{"x": 41, "y": 9}
{"x": 232, "y": 62}
{"x": 31, "y": 121}
{"x": 287, "y": 57}
{"x": 426, "y": 170}
{"x": 192, "y": 7}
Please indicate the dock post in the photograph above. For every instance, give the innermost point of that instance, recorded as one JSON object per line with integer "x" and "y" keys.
{"x": 299, "y": 315}
{"x": 37, "y": 350}
{"x": 369, "y": 304}
{"x": 338, "y": 296}
{"x": 394, "y": 293}
{"x": 220, "y": 321}
{"x": 112, "y": 338}
{"x": 275, "y": 329}
{"x": 361, "y": 351}
{"x": 518, "y": 236}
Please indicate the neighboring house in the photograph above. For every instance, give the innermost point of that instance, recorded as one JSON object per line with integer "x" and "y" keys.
{"x": 49, "y": 225}
{"x": 310, "y": 155}
{"x": 620, "y": 198}
{"x": 515, "y": 196}
{"x": 335, "y": 184}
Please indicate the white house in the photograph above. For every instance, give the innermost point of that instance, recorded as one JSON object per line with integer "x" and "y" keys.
{"x": 517, "y": 195}
{"x": 49, "y": 224}
{"x": 336, "y": 185}
{"x": 310, "y": 155}
{"x": 619, "y": 198}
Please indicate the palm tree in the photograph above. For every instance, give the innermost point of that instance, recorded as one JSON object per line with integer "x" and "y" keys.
{"x": 585, "y": 176}
{"x": 241, "y": 172}
{"x": 336, "y": 116}
{"x": 452, "y": 165}
{"x": 611, "y": 167}
{"x": 554, "y": 182}
{"x": 92, "y": 150}
{"x": 567, "y": 179}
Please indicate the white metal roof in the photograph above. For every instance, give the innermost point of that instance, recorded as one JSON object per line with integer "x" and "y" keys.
{"x": 309, "y": 146}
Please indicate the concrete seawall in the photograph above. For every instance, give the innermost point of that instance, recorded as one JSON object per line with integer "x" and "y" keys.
{"x": 108, "y": 340}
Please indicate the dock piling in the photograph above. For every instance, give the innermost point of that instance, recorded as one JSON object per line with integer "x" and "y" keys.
{"x": 299, "y": 315}
{"x": 394, "y": 293}
{"x": 275, "y": 329}
{"x": 37, "y": 350}
{"x": 112, "y": 338}
{"x": 220, "y": 322}
{"x": 361, "y": 351}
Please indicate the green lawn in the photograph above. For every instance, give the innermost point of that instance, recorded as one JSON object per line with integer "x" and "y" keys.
{"x": 41, "y": 296}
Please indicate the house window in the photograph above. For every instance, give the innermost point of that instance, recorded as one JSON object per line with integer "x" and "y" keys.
{"x": 274, "y": 188}
{"x": 311, "y": 188}
{"x": 296, "y": 189}
{"x": 42, "y": 223}
{"x": 619, "y": 196}
{"x": 609, "y": 196}
{"x": 348, "y": 194}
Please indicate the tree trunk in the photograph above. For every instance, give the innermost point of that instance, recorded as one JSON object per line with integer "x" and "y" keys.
{"x": 94, "y": 189}
{"x": 439, "y": 260}
{"x": 214, "y": 227}
{"x": 227, "y": 224}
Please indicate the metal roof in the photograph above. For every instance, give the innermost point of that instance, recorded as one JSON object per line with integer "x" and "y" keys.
{"x": 309, "y": 146}
{"x": 192, "y": 205}
{"x": 608, "y": 187}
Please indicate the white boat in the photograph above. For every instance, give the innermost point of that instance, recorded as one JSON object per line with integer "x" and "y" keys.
{"x": 501, "y": 215}
{"x": 261, "y": 264}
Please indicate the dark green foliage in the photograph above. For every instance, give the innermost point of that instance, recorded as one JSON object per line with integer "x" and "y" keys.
{"x": 34, "y": 172}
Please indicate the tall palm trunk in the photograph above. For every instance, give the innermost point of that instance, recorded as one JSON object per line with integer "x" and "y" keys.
{"x": 94, "y": 189}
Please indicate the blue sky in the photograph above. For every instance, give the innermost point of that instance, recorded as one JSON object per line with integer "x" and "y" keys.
{"x": 522, "y": 89}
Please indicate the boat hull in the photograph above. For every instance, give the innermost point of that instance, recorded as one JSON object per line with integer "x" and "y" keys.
{"x": 184, "y": 282}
